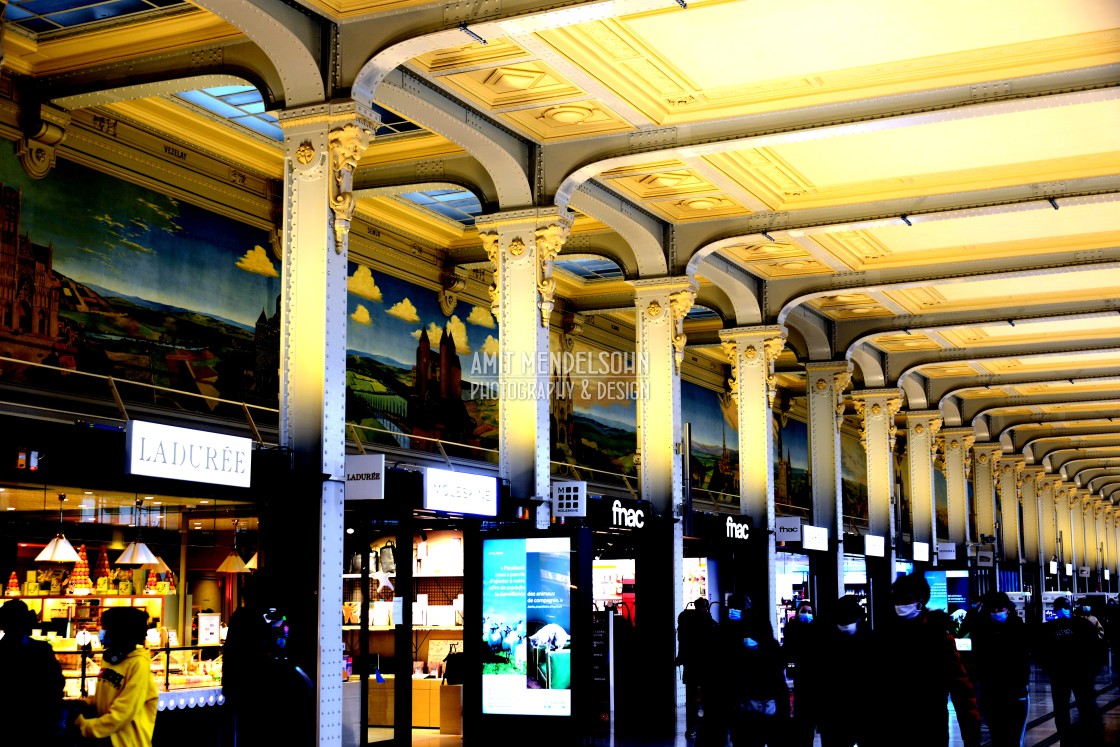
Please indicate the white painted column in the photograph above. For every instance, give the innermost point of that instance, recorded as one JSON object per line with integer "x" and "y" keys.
{"x": 1083, "y": 520}
{"x": 752, "y": 352}
{"x": 1010, "y": 478}
{"x": 1032, "y": 516}
{"x": 322, "y": 147}
{"x": 922, "y": 427}
{"x": 1099, "y": 538}
{"x": 825, "y": 384}
{"x": 1064, "y": 503}
{"x": 876, "y": 409}
{"x": 1047, "y": 519}
{"x": 984, "y": 470}
{"x": 955, "y": 448}
{"x": 521, "y": 245}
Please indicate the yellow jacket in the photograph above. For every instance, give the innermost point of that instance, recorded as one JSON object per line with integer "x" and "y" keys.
{"x": 126, "y": 701}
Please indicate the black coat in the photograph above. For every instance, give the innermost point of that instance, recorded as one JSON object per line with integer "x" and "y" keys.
{"x": 837, "y": 684}
{"x": 1070, "y": 649}
{"x": 30, "y": 691}
{"x": 1001, "y": 658}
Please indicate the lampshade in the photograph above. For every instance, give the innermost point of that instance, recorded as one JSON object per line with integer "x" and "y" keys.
{"x": 137, "y": 553}
{"x": 233, "y": 564}
{"x": 58, "y": 550}
{"x": 159, "y": 566}
{"x": 252, "y": 564}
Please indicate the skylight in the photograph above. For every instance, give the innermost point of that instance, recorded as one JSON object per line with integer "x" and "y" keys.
{"x": 697, "y": 313}
{"x": 590, "y": 269}
{"x": 44, "y": 16}
{"x": 459, "y": 205}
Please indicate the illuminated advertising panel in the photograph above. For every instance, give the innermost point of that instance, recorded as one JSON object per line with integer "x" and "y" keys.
{"x": 527, "y": 623}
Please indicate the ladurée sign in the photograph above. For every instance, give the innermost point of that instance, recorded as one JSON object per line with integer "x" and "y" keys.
{"x": 159, "y": 450}
{"x": 365, "y": 480}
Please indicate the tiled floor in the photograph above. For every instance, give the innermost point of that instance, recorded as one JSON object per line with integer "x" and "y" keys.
{"x": 1040, "y": 722}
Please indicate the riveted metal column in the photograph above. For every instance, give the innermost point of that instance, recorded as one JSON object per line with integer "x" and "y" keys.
{"x": 1082, "y": 521}
{"x": 1099, "y": 540}
{"x": 825, "y": 384}
{"x": 1033, "y": 571}
{"x": 984, "y": 471}
{"x": 922, "y": 427}
{"x": 322, "y": 147}
{"x": 955, "y": 450}
{"x": 521, "y": 245}
{"x": 1010, "y": 478}
{"x": 1064, "y": 503}
{"x": 752, "y": 352}
{"x": 1048, "y": 528}
{"x": 660, "y": 307}
{"x": 876, "y": 409}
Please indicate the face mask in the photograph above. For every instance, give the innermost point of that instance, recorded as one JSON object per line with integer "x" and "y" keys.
{"x": 1086, "y": 610}
{"x": 805, "y": 617}
{"x": 847, "y": 629}
{"x": 1000, "y": 617}
{"x": 1061, "y": 613}
{"x": 101, "y": 636}
{"x": 907, "y": 611}
{"x": 750, "y": 643}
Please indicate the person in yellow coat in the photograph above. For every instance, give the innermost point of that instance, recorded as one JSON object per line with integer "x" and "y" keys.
{"x": 126, "y": 697}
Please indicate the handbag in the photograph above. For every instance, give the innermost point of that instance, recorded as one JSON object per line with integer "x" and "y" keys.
{"x": 762, "y": 707}
{"x": 387, "y": 556}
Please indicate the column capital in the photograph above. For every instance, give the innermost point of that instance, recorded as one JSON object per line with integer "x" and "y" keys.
{"x": 818, "y": 374}
{"x": 650, "y": 297}
{"x": 986, "y": 453}
{"x": 523, "y": 218}
{"x": 920, "y": 420}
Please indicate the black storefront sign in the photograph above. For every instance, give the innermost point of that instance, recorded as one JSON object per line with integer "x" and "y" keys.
{"x": 618, "y": 513}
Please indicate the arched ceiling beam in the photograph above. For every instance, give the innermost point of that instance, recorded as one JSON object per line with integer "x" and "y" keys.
{"x": 1103, "y": 483}
{"x": 1108, "y": 386}
{"x": 1039, "y": 448}
{"x": 741, "y": 287}
{"x": 1111, "y": 491}
{"x": 1082, "y": 469}
{"x": 294, "y": 39}
{"x": 456, "y": 172}
{"x": 990, "y": 423}
{"x": 1060, "y": 459}
{"x": 814, "y": 330}
{"x": 712, "y": 297}
{"x": 871, "y": 369}
{"x": 1019, "y": 438}
{"x": 645, "y": 234}
{"x": 504, "y": 156}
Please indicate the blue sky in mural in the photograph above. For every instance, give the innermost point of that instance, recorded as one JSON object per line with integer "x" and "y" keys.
{"x": 795, "y": 443}
{"x": 387, "y": 314}
{"x": 118, "y": 236}
{"x": 702, "y": 409}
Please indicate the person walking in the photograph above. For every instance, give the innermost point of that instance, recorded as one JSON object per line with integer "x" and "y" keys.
{"x": 800, "y": 645}
{"x": 1070, "y": 652}
{"x": 126, "y": 699}
{"x": 696, "y": 631}
{"x": 31, "y": 684}
{"x": 760, "y": 695}
{"x": 918, "y": 669}
{"x": 839, "y": 676}
{"x": 1001, "y": 668}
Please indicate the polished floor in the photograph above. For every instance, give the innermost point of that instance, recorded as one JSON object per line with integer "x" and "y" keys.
{"x": 1040, "y": 722}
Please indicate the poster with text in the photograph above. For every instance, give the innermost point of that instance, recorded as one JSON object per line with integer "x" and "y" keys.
{"x": 526, "y": 628}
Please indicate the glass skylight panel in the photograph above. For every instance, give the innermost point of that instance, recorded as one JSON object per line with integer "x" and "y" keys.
{"x": 459, "y": 205}
{"x": 242, "y": 105}
{"x": 43, "y": 16}
{"x": 590, "y": 269}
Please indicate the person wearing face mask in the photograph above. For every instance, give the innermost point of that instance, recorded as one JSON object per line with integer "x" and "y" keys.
{"x": 1001, "y": 667}
{"x": 31, "y": 686}
{"x": 126, "y": 698}
{"x": 800, "y": 645}
{"x": 1070, "y": 653}
{"x": 840, "y": 677}
{"x": 759, "y": 694}
{"x": 919, "y": 669}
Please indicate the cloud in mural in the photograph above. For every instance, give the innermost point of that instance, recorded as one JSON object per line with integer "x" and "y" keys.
{"x": 361, "y": 283}
{"x": 140, "y": 248}
{"x": 403, "y": 310}
{"x": 162, "y": 212}
{"x": 416, "y": 334}
{"x": 458, "y": 334}
{"x": 361, "y": 315}
{"x": 256, "y": 260}
{"x": 489, "y": 345}
{"x": 481, "y": 317}
{"x": 110, "y": 223}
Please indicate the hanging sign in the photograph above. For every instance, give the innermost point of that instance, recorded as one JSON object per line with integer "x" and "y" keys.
{"x": 460, "y": 492}
{"x": 921, "y": 552}
{"x": 365, "y": 477}
{"x": 946, "y": 550}
{"x": 185, "y": 454}
{"x": 787, "y": 528}
{"x": 737, "y": 528}
{"x": 814, "y": 538}
{"x": 985, "y": 557}
{"x": 874, "y": 546}
{"x": 1083, "y": 571}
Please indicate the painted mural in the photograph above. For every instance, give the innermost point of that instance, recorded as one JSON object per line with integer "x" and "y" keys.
{"x": 941, "y": 503}
{"x": 593, "y": 411}
{"x": 714, "y": 457}
{"x": 792, "y": 479}
{"x": 415, "y": 374}
{"x": 853, "y": 477}
{"x": 101, "y": 276}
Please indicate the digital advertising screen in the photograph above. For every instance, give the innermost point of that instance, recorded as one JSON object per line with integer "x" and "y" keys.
{"x": 948, "y": 593}
{"x": 527, "y": 623}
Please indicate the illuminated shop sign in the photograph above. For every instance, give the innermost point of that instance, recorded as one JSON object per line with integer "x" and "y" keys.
{"x": 185, "y": 454}
{"x": 737, "y": 528}
{"x": 787, "y": 528}
{"x": 365, "y": 477}
{"x": 619, "y": 513}
{"x": 921, "y": 552}
{"x": 874, "y": 546}
{"x": 814, "y": 538}
{"x": 460, "y": 492}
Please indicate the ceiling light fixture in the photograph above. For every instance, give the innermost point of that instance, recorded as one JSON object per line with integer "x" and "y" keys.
{"x": 137, "y": 553}
{"x": 471, "y": 34}
{"x": 233, "y": 562}
{"x": 251, "y": 564}
{"x": 1053, "y": 202}
{"x": 59, "y": 549}
{"x": 906, "y": 219}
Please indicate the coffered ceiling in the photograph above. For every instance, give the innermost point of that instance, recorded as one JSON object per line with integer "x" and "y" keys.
{"x": 930, "y": 190}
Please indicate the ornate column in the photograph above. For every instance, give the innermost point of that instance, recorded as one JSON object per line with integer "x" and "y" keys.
{"x": 1099, "y": 538}
{"x": 1083, "y": 521}
{"x": 660, "y": 307}
{"x": 984, "y": 471}
{"x": 876, "y": 409}
{"x": 521, "y": 245}
{"x": 1032, "y": 515}
{"x": 922, "y": 427}
{"x": 1010, "y": 478}
{"x": 1064, "y": 501}
{"x": 954, "y": 447}
{"x": 322, "y": 147}
{"x": 1047, "y": 525}
{"x": 825, "y": 384}
{"x": 752, "y": 352}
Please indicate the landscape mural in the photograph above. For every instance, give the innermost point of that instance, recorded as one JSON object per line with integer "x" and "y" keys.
{"x": 792, "y": 479}
{"x": 101, "y": 276}
{"x": 415, "y": 374}
{"x": 714, "y": 457}
{"x": 853, "y": 477}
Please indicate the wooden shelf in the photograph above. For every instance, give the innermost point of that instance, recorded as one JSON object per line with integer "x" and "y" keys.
{"x": 80, "y": 597}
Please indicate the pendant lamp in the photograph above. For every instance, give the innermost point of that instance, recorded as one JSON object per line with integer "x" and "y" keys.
{"x": 233, "y": 562}
{"x": 158, "y": 566}
{"x": 59, "y": 549}
{"x": 136, "y": 552}
{"x": 251, "y": 564}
